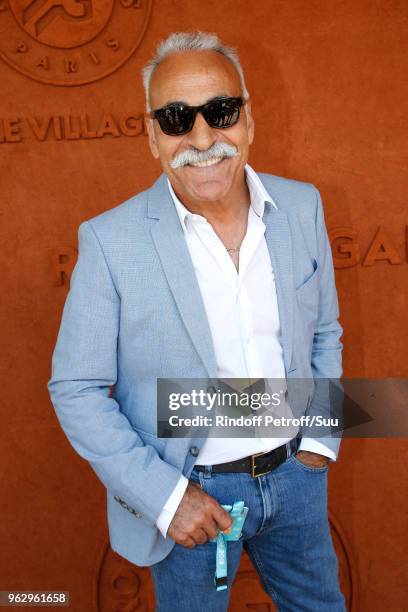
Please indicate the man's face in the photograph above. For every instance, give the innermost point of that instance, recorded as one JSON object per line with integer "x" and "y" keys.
{"x": 195, "y": 77}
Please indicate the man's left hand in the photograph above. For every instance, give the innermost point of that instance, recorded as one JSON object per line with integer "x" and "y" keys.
{"x": 312, "y": 459}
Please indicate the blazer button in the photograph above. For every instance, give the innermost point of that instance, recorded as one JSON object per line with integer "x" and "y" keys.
{"x": 194, "y": 450}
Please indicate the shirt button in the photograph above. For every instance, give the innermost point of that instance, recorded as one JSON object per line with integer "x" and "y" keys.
{"x": 194, "y": 450}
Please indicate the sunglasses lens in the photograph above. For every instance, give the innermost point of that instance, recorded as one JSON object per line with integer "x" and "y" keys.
{"x": 175, "y": 119}
{"x": 222, "y": 113}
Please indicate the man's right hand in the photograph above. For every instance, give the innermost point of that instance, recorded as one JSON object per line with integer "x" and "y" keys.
{"x": 198, "y": 518}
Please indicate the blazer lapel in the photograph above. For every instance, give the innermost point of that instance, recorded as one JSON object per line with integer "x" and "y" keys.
{"x": 171, "y": 246}
{"x": 172, "y": 249}
{"x": 278, "y": 239}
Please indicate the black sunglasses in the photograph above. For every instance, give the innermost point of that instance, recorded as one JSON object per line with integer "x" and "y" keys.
{"x": 177, "y": 118}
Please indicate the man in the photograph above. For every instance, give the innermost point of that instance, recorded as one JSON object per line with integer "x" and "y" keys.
{"x": 215, "y": 271}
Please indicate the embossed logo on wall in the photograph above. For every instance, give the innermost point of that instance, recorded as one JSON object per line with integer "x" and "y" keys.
{"x": 345, "y": 249}
{"x": 70, "y": 42}
{"x": 70, "y": 126}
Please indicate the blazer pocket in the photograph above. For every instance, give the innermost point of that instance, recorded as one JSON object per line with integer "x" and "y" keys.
{"x": 308, "y": 293}
{"x": 310, "y": 277}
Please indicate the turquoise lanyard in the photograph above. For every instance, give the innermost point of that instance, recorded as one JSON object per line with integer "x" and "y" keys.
{"x": 238, "y": 514}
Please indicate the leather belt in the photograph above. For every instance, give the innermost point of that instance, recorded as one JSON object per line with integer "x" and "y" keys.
{"x": 258, "y": 464}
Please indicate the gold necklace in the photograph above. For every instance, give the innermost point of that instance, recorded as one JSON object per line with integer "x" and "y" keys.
{"x": 233, "y": 250}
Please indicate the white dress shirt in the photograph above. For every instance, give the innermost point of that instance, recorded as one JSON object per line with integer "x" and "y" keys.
{"x": 242, "y": 311}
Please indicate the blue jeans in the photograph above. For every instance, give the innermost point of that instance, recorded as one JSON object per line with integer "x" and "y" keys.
{"x": 286, "y": 534}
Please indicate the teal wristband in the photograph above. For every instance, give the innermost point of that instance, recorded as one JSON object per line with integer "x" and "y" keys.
{"x": 238, "y": 514}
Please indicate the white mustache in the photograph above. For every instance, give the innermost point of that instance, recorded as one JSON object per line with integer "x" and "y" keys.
{"x": 192, "y": 156}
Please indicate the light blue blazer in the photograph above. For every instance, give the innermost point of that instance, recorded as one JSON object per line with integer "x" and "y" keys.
{"x": 134, "y": 313}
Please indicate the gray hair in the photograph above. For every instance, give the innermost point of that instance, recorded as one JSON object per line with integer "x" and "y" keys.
{"x": 190, "y": 41}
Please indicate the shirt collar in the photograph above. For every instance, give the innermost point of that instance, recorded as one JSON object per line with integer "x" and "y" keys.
{"x": 258, "y": 194}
